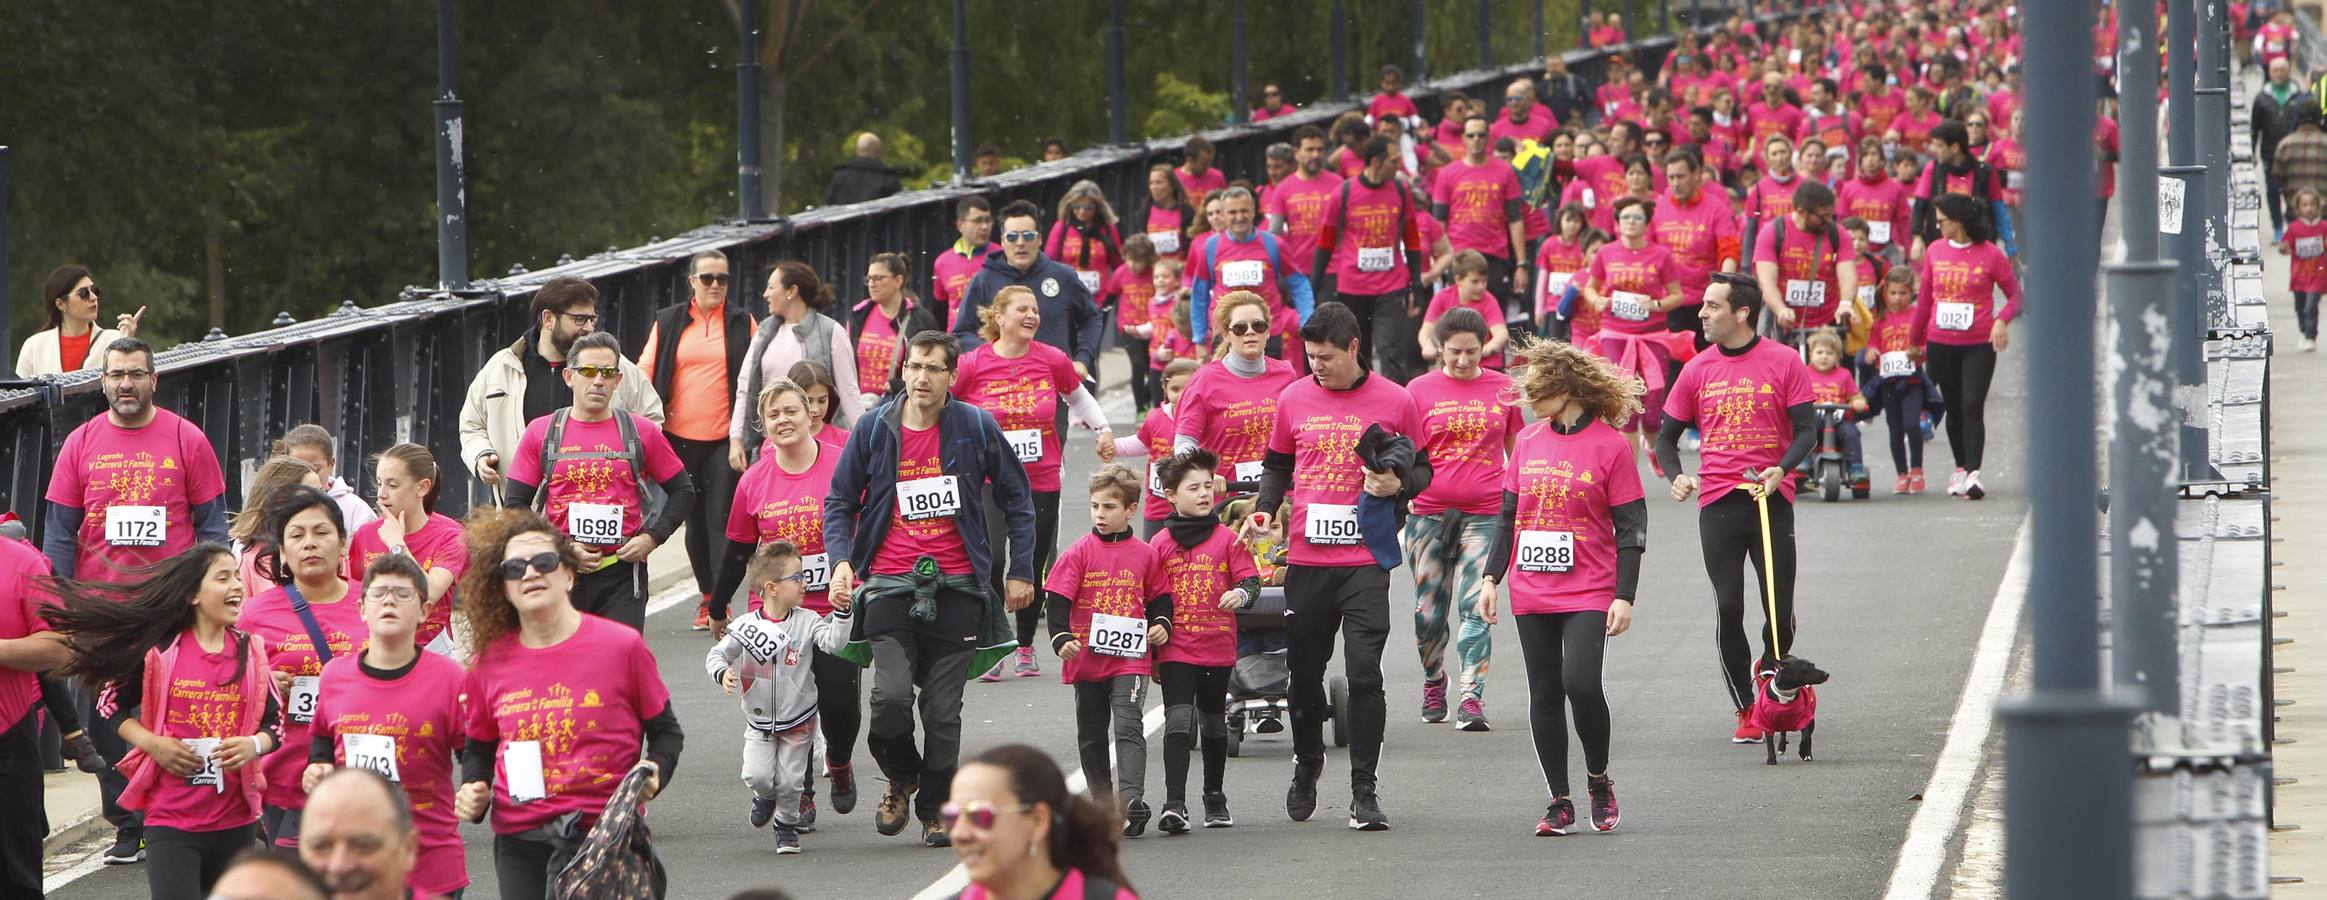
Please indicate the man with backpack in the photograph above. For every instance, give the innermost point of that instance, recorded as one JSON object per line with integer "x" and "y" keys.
{"x": 1241, "y": 257}
{"x": 587, "y": 467}
{"x": 1802, "y": 262}
{"x": 1370, "y": 257}
{"x": 1953, "y": 170}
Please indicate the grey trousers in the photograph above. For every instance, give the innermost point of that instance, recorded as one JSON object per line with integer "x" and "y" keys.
{"x": 1121, "y": 700}
{"x": 905, "y": 660}
{"x": 775, "y": 766}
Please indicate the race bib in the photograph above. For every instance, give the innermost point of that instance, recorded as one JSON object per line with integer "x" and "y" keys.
{"x": 1878, "y": 232}
{"x": 1546, "y": 551}
{"x": 764, "y": 644}
{"x": 1121, "y": 636}
{"x": 207, "y": 774}
{"x": 1166, "y": 242}
{"x": 1794, "y": 57}
{"x": 1866, "y": 295}
{"x": 376, "y": 752}
{"x": 1802, "y": 293}
{"x": 2013, "y": 179}
{"x": 302, "y": 699}
{"x": 1333, "y": 524}
{"x": 2310, "y": 247}
{"x": 1375, "y": 259}
{"x": 441, "y": 645}
{"x": 597, "y": 524}
{"x": 1090, "y": 281}
{"x": 1241, "y": 273}
{"x": 1026, "y": 443}
{"x": 935, "y": 497}
{"x": 1628, "y": 306}
{"x": 136, "y": 526}
{"x": 1953, "y": 316}
{"x": 1555, "y": 284}
{"x": 1248, "y": 471}
{"x": 1895, "y": 364}
{"x": 521, "y": 771}
{"x": 816, "y": 571}
{"x": 1155, "y": 485}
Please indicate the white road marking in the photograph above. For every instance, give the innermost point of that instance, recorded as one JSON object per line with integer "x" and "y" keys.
{"x": 94, "y": 861}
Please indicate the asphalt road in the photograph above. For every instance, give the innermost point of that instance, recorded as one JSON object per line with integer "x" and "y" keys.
{"x": 1892, "y": 594}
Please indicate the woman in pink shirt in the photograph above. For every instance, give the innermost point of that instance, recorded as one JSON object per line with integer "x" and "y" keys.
{"x": 1085, "y": 239}
{"x": 1634, "y": 283}
{"x": 1875, "y": 198}
{"x": 1021, "y": 834}
{"x": 312, "y": 618}
{"x": 816, "y": 384}
{"x": 410, "y": 526}
{"x": 1964, "y": 331}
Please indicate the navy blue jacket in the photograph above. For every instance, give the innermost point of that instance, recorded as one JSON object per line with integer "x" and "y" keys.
{"x": 857, "y": 511}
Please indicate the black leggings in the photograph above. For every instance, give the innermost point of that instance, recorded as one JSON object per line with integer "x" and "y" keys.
{"x": 1903, "y": 417}
{"x": 706, "y": 464}
{"x": 1195, "y": 702}
{"x": 840, "y": 706}
{"x": 1565, "y": 654}
{"x": 1135, "y": 347}
{"x": 1731, "y": 531}
{"x": 1045, "y": 552}
{"x": 185, "y": 864}
{"x": 1964, "y": 374}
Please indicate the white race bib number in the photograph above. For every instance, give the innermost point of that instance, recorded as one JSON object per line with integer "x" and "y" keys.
{"x": 2013, "y": 179}
{"x": 1374, "y": 259}
{"x": 376, "y": 752}
{"x": 1248, "y": 471}
{"x": 1155, "y": 485}
{"x": 935, "y": 497}
{"x": 1547, "y": 551}
{"x": 1555, "y": 284}
{"x": 1241, "y": 273}
{"x": 2310, "y": 247}
{"x": 816, "y": 571}
{"x": 1801, "y": 293}
{"x": 1794, "y": 57}
{"x": 136, "y": 526}
{"x": 1628, "y": 306}
{"x": 521, "y": 771}
{"x": 1090, "y": 281}
{"x": 302, "y": 699}
{"x": 1953, "y": 316}
{"x": 596, "y": 524}
{"x": 763, "y": 642}
{"x": 207, "y": 773}
{"x": 1121, "y": 636}
{"x": 1333, "y": 524}
{"x": 1026, "y": 443}
{"x": 1895, "y": 364}
{"x": 1166, "y": 242}
{"x": 1878, "y": 232}
{"x": 1866, "y": 296}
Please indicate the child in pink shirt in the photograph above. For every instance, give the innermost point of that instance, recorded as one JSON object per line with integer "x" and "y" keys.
{"x": 1108, "y": 603}
{"x": 2306, "y": 241}
{"x": 1830, "y": 383}
{"x": 1469, "y": 292}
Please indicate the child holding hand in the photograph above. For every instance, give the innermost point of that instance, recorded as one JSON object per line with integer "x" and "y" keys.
{"x": 1213, "y": 576}
{"x": 1900, "y": 387}
{"x": 764, "y": 662}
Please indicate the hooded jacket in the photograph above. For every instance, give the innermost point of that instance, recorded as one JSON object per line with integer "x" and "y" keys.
{"x": 864, "y": 488}
{"x": 1070, "y": 318}
{"x": 493, "y": 415}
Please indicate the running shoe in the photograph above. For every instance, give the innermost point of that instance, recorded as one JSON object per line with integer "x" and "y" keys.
{"x": 1655, "y": 466}
{"x": 1603, "y": 791}
{"x": 1301, "y": 798}
{"x": 890, "y": 817}
{"x": 1216, "y": 810}
{"x": 994, "y": 674}
{"x": 1135, "y": 816}
{"x": 1746, "y": 732}
{"x": 1692, "y": 440}
{"x": 1027, "y": 667}
{"x": 1971, "y": 486}
{"x": 703, "y": 614}
{"x": 1903, "y": 485}
{"x": 934, "y": 835}
{"x": 807, "y": 808}
{"x": 2310, "y": 344}
{"x": 843, "y": 788}
{"x": 1365, "y": 812}
{"x": 1915, "y": 483}
{"x": 128, "y": 847}
{"x": 1471, "y": 716}
{"x": 1434, "y": 701}
{"x": 762, "y": 809}
{"x": 83, "y": 753}
{"x": 787, "y": 839}
{"x": 1558, "y": 818}
{"x": 1174, "y": 819}
{"x": 1955, "y": 483}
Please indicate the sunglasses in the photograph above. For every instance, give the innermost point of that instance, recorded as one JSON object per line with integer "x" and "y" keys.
{"x": 712, "y": 278}
{"x": 981, "y": 815}
{"x": 89, "y": 292}
{"x": 1248, "y": 327}
{"x": 1021, "y": 237}
{"x": 541, "y": 563}
{"x": 597, "y": 371}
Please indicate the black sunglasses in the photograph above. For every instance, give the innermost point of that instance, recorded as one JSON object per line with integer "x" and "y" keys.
{"x": 712, "y": 278}
{"x": 544, "y": 563}
{"x": 1248, "y": 327}
{"x": 89, "y": 292}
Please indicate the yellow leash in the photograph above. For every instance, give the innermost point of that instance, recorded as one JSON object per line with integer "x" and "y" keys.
{"x": 1769, "y": 568}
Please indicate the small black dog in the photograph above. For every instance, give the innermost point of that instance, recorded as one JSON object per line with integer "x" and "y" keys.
{"x": 1785, "y": 700}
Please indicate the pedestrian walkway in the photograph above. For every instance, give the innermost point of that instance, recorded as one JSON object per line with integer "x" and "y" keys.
{"x": 2299, "y": 591}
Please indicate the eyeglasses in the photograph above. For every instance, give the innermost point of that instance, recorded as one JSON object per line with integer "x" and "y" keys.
{"x": 1514, "y": 98}
{"x": 1021, "y": 237}
{"x": 1474, "y": 135}
{"x": 712, "y": 278}
{"x": 1631, "y": 217}
{"x": 88, "y": 292}
{"x": 607, "y": 372}
{"x": 981, "y": 815}
{"x": 876, "y": 279}
{"x": 542, "y": 563}
{"x": 585, "y": 320}
{"x": 1652, "y": 142}
{"x": 925, "y": 369}
{"x": 398, "y": 594}
{"x": 796, "y": 576}
{"x": 128, "y": 374}
{"x": 1248, "y": 327}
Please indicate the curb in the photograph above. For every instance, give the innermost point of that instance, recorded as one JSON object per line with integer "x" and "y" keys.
{"x": 89, "y": 824}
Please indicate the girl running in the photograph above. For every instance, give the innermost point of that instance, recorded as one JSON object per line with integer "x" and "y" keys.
{"x": 1900, "y": 383}
{"x": 1133, "y": 285}
{"x": 1572, "y": 529}
{"x": 2306, "y": 241}
{"x": 1960, "y": 277}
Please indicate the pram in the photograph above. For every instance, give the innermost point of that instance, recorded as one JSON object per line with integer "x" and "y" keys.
{"x": 1259, "y": 689}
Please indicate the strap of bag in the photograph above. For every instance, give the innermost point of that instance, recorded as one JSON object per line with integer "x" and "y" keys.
{"x": 307, "y": 618}
{"x": 632, "y": 452}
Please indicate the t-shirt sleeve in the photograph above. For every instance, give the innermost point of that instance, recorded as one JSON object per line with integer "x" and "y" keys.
{"x": 1765, "y": 249}
{"x": 1596, "y": 274}
{"x": 1062, "y": 373}
{"x": 1441, "y": 190}
{"x": 481, "y": 725}
{"x": 451, "y": 552}
{"x": 525, "y": 462}
{"x": 1623, "y": 476}
{"x": 741, "y": 512}
{"x": 1281, "y": 429}
{"x": 649, "y": 695}
{"x": 1067, "y": 575}
{"x": 66, "y": 485}
{"x": 1794, "y": 385}
{"x": 1489, "y": 309}
{"x": 661, "y": 461}
{"x": 1511, "y": 191}
{"x": 204, "y": 481}
{"x": 1680, "y": 401}
{"x": 1240, "y": 564}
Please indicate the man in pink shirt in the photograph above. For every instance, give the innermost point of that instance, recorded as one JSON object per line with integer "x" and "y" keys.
{"x": 1803, "y": 262}
{"x": 1296, "y": 205}
{"x": 1195, "y": 173}
{"x": 1478, "y": 197}
{"x": 1772, "y": 115}
{"x": 1699, "y": 230}
{"x": 973, "y": 217}
{"x": 1521, "y": 119}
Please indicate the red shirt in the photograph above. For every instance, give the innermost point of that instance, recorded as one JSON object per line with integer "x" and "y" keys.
{"x": 1567, "y": 484}
{"x": 1155, "y": 434}
{"x": 876, "y": 349}
{"x": 73, "y": 351}
{"x": 167, "y": 463}
{"x": 1700, "y": 233}
{"x": 584, "y": 702}
{"x": 20, "y": 599}
{"x": 1957, "y": 298}
{"x": 1812, "y": 261}
{"x": 1647, "y": 272}
{"x": 203, "y": 704}
{"x": 950, "y": 274}
{"x": 1203, "y": 634}
{"x": 774, "y": 505}
{"x": 2309, "y": 272}
{"x": 1382, "y": 218}
{"x": 1741, "y": 405}
{"x": 421, "y": 712}
{"x": 1877, "y": 200}
{"x": 1023, "y": 395}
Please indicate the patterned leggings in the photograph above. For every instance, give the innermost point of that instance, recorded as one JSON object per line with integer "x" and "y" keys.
{"x": 1440, "y": 584}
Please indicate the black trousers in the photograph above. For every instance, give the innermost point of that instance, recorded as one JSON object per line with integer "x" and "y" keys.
{"x": 523, "y": 866}
{"x": 1143, "y": 391}
{"x": 1499, "y": 273}
{"x": 1045, "y": 553}
{"x": 1565, "y": 653}
{"x": 924, "y": 666}
{"x": 2270, "y": 193}
{"x": 183, "y": 865}
{"x": 1963, "y": 374}
{"x": 26, "y": 822}
{"x": 1730, "y": 530}
{"x": 706, "y": 465}
{"x": 1352, "y": 603}
{"x": 1394, "y": 333}
{"x": 616, "y": 592}
{"x": 840, "y": 706}
{"x": 1195, "y": 702}
{"x": 1903, "y": 418}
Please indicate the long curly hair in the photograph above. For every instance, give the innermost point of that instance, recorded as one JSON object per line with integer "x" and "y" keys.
{"x": 1557, "y": 368}
{"x": 484, "y": 597}
{"x": 990, "y": 315}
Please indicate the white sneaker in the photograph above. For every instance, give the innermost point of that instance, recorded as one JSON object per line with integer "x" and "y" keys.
{"x": 1955, "y": 484}
{"x": 1971, "y": 486}
{"x": 2310, "y": 344}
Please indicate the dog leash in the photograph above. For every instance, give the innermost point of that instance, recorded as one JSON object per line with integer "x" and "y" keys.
{"x": 1769, "y": 568}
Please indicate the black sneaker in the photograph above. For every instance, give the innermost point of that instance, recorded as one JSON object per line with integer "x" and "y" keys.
{"x": 787, "y": 838}
{"x": 128, "y": 847}
{"x": 762, "y": 809}
{"x": 1301, "y": 799}
{"x": 1365, "y": 814}
{"x": 84, "y": 755}
{"x": 807, "y": 810}
{"x": 1174, "y": 819}
{"x": 1216, "y": 810}
{"x": 843, "y": 788}
{"x": 1135, "y": 818}
{"x": 934, "y": 835}
{"x": 896, "y": 802}
{"x": 1559, "y": 818}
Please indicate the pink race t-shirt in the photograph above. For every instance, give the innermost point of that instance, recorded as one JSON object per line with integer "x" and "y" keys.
{"x": 595, "y": 481}
{"x": 1203, "y": 634}
{"x": 1110, "y": 578}
{"x": 1809, "y": 280}
{"x": 1832, "y": 386}
{"x": 270, "y": 619}
{"x": 938, "y": 538}
{"x": 203, "y": 705}
{"x": 1155, "y": 434}
{"x": 1632, "y": 281}
{"x": 1958, "y": 293}
{"x": 1383, "y": 218}
{"x": 1567, "y": 484}
{"x": 1478, "y": 204}
{"x": 950, "y": 274}
{"x": 421, "y": 713}
{"x": 166, "y": 463}
{"x": 1881, "y": 201}
{"x": 1397, "y": 104}
{"x": 2307, "y": 245}
{"x": 1199, "y": 186}
{"x": 1450, "y": 299}
{"x": 1023, "y": 395}
{"x": 584, "y": 702}
{"x": 876, "y": 351}
{"x": 1465, "y": 425}
{"x": 1741, "y": 405}
{"x": 774, "y": 505}
{"x": 1231, "y": 415}
{"x": 1321, "y": 429}
{"x": 1538, "y": 127}
{"x": 1300, "y": 203}
{"x": 1700, "y": 233}
{"x": 437, "y": 545}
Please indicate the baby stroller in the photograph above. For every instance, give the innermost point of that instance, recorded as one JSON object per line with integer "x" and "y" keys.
{"x": 1259, "y": 689}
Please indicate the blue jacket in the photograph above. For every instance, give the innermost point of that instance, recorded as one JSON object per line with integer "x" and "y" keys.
{"x": 1296, "y": 289}
{"x": 857, "y": 511}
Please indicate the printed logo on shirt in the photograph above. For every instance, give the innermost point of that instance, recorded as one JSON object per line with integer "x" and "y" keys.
{"x": 1050, "y": 287}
